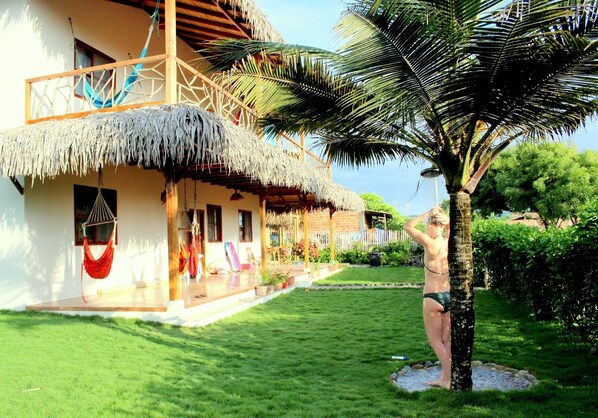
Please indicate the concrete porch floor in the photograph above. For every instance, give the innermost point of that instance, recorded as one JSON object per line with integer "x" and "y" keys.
{"x": 203, "y": 301}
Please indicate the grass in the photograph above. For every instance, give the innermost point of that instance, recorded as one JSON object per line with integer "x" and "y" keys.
{"x": 303, "y": 354}
{"x": 378, "y": 275}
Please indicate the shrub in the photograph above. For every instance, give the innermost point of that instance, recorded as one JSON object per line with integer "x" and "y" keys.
{"x": 579, "y": 305}
{"x": 298, "y": 250}
{"x": 356, "y": 255}
{"x": 397, "y": 253}
{"x": 325, "y": 255}
{"x": 554, "y": 271}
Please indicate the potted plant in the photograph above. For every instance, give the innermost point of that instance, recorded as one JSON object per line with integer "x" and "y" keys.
{"x": 262, "y": 288}
{"x": 268, "y": 280}
{"x": 316, "y": 270}
{"x": 290, "y": 281}
{"x": 278, "y": 278}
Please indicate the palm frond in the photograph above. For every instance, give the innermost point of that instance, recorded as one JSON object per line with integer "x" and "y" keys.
{"x": 223, "y": 54}
{"x": 389, "y": 53}
{"x": 361, "y": 151}
{"x": 438, "y": 79}
{"x": 523, "y": 69}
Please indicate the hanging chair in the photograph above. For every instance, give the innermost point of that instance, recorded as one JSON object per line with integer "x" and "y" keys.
{"x": 184, "y": 226}
{"x": 101, "y": 214}
{"x": 99, "y": 268}
{"x": 95, "y": 98}
{"x": 183, "y": 257}
{"x": 194, "y": 247}
{"x": 195, "y": 268}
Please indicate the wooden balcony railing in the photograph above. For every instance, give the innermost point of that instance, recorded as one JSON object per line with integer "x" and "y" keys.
{"x": 126, "y": 84}
{"x": 141, "y": 82}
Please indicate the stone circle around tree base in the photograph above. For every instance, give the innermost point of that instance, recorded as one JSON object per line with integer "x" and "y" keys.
{"x": 488, "y": 376}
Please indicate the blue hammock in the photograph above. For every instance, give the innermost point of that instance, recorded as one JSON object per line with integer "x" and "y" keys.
{"x": 96, "y": 99}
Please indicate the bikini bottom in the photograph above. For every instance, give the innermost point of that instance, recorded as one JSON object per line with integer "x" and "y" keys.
{"x": 443, "y": 298}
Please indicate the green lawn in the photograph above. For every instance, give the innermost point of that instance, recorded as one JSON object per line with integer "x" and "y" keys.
{"x": 303, "y": 354}
{"x": 377, "y": 275}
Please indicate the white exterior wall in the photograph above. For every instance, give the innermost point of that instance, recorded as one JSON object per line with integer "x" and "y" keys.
{"x": 38, "y": 259}
{"x": 13, "y": 246}
{"x": 52, "y": 268}
{"x": 54, "y": 262}
{"x": 208, "y": 194}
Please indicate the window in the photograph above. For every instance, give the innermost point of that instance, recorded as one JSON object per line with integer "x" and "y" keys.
{"x": 245, "y": 231}
{"x": 100, "y": 81}
{"x": 214, "y": 223}
{"x": 84, "y": 198}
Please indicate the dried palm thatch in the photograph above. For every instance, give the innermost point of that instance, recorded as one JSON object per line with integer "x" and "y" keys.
{"x": 279, "y": 220}
{"x": 260, "y": 26}
{"x": 154, "y": 137}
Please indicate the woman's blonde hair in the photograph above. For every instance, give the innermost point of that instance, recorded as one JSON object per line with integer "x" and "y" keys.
{"x": 439, "y": 218}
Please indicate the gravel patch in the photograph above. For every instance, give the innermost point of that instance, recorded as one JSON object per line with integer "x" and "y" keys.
{"x": 487, "y": 376}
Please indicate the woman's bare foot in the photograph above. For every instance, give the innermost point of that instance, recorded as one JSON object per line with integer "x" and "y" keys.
{"x": 440, "y": 383}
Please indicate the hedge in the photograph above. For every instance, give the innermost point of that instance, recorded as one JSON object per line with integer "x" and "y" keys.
{"x": 396, "y": 253}
{"x": 554, "y": 271}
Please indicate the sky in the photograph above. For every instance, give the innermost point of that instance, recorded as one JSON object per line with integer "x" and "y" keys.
{"x": 310, "y": 22}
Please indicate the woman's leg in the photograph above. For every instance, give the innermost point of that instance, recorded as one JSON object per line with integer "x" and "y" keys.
{"x": 438, "y": 333}
{"x": 446, "y": 341}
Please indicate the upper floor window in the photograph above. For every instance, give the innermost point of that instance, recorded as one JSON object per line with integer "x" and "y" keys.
{"x": 100, "y": 81}
{"x": 84, "y": 198}
{"x": 214, "y": 214}
{"x": 245, "y": 230}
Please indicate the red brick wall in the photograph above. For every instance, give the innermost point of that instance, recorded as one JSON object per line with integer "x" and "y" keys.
{"x": 319, "y": 221}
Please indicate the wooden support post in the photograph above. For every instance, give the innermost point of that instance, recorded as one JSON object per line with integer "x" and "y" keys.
{"x": 27, "y": 102}
{"x": 302, "y": 137}
{"x": 331, "y": 211}
{"x": 170, "y": 39}
{"x": 305, "y": 236}
{"x": 172, "y": 219}
{"x": 263, "y": 231}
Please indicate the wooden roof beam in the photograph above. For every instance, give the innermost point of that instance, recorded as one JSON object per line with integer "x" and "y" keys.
{"x": 232, "y": 18}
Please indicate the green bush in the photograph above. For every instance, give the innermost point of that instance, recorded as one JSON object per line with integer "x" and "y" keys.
{"x": 395, "y": 254}
{"x": 520, "y": 260}
{"x": 579, "y": 306}
{"x": 356, "y": 255}
{"x": 554, "y": 271}
{"x": 324, "y": 256}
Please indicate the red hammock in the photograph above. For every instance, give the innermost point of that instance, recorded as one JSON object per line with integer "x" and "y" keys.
{"x": 193, "y": 259}
{"x": 183, "y": 257}
{"x": 100, "y": 214}
{"x": 98, "y": 268}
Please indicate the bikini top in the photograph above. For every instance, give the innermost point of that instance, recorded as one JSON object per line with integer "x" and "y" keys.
{"x": 435, "y": 272}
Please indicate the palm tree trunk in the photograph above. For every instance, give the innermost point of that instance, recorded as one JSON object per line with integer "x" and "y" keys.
{"x": 461, "y": 278}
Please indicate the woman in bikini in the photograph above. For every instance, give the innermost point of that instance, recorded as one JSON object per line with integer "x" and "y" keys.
{"x": 437, "y": 299}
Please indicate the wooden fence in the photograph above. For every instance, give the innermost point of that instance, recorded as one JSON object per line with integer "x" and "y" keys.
{"x": 368, "y": 239}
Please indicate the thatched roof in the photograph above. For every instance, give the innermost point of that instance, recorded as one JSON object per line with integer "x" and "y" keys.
{"x": 260, "y": 25}
{"x": 157, "y": 136}
{"x": 282, "y": 220}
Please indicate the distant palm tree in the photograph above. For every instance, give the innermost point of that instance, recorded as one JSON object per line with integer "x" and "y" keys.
{"x": 451, "y": 81}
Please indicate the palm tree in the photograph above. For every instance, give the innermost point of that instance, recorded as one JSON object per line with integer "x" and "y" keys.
{"x": 451, "y": 81}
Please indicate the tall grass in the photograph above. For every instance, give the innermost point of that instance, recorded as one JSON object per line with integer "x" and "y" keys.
{"x": 304, "y": 354}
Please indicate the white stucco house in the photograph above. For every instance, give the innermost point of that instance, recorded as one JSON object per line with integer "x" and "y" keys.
{"x": 80, "y": 98}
